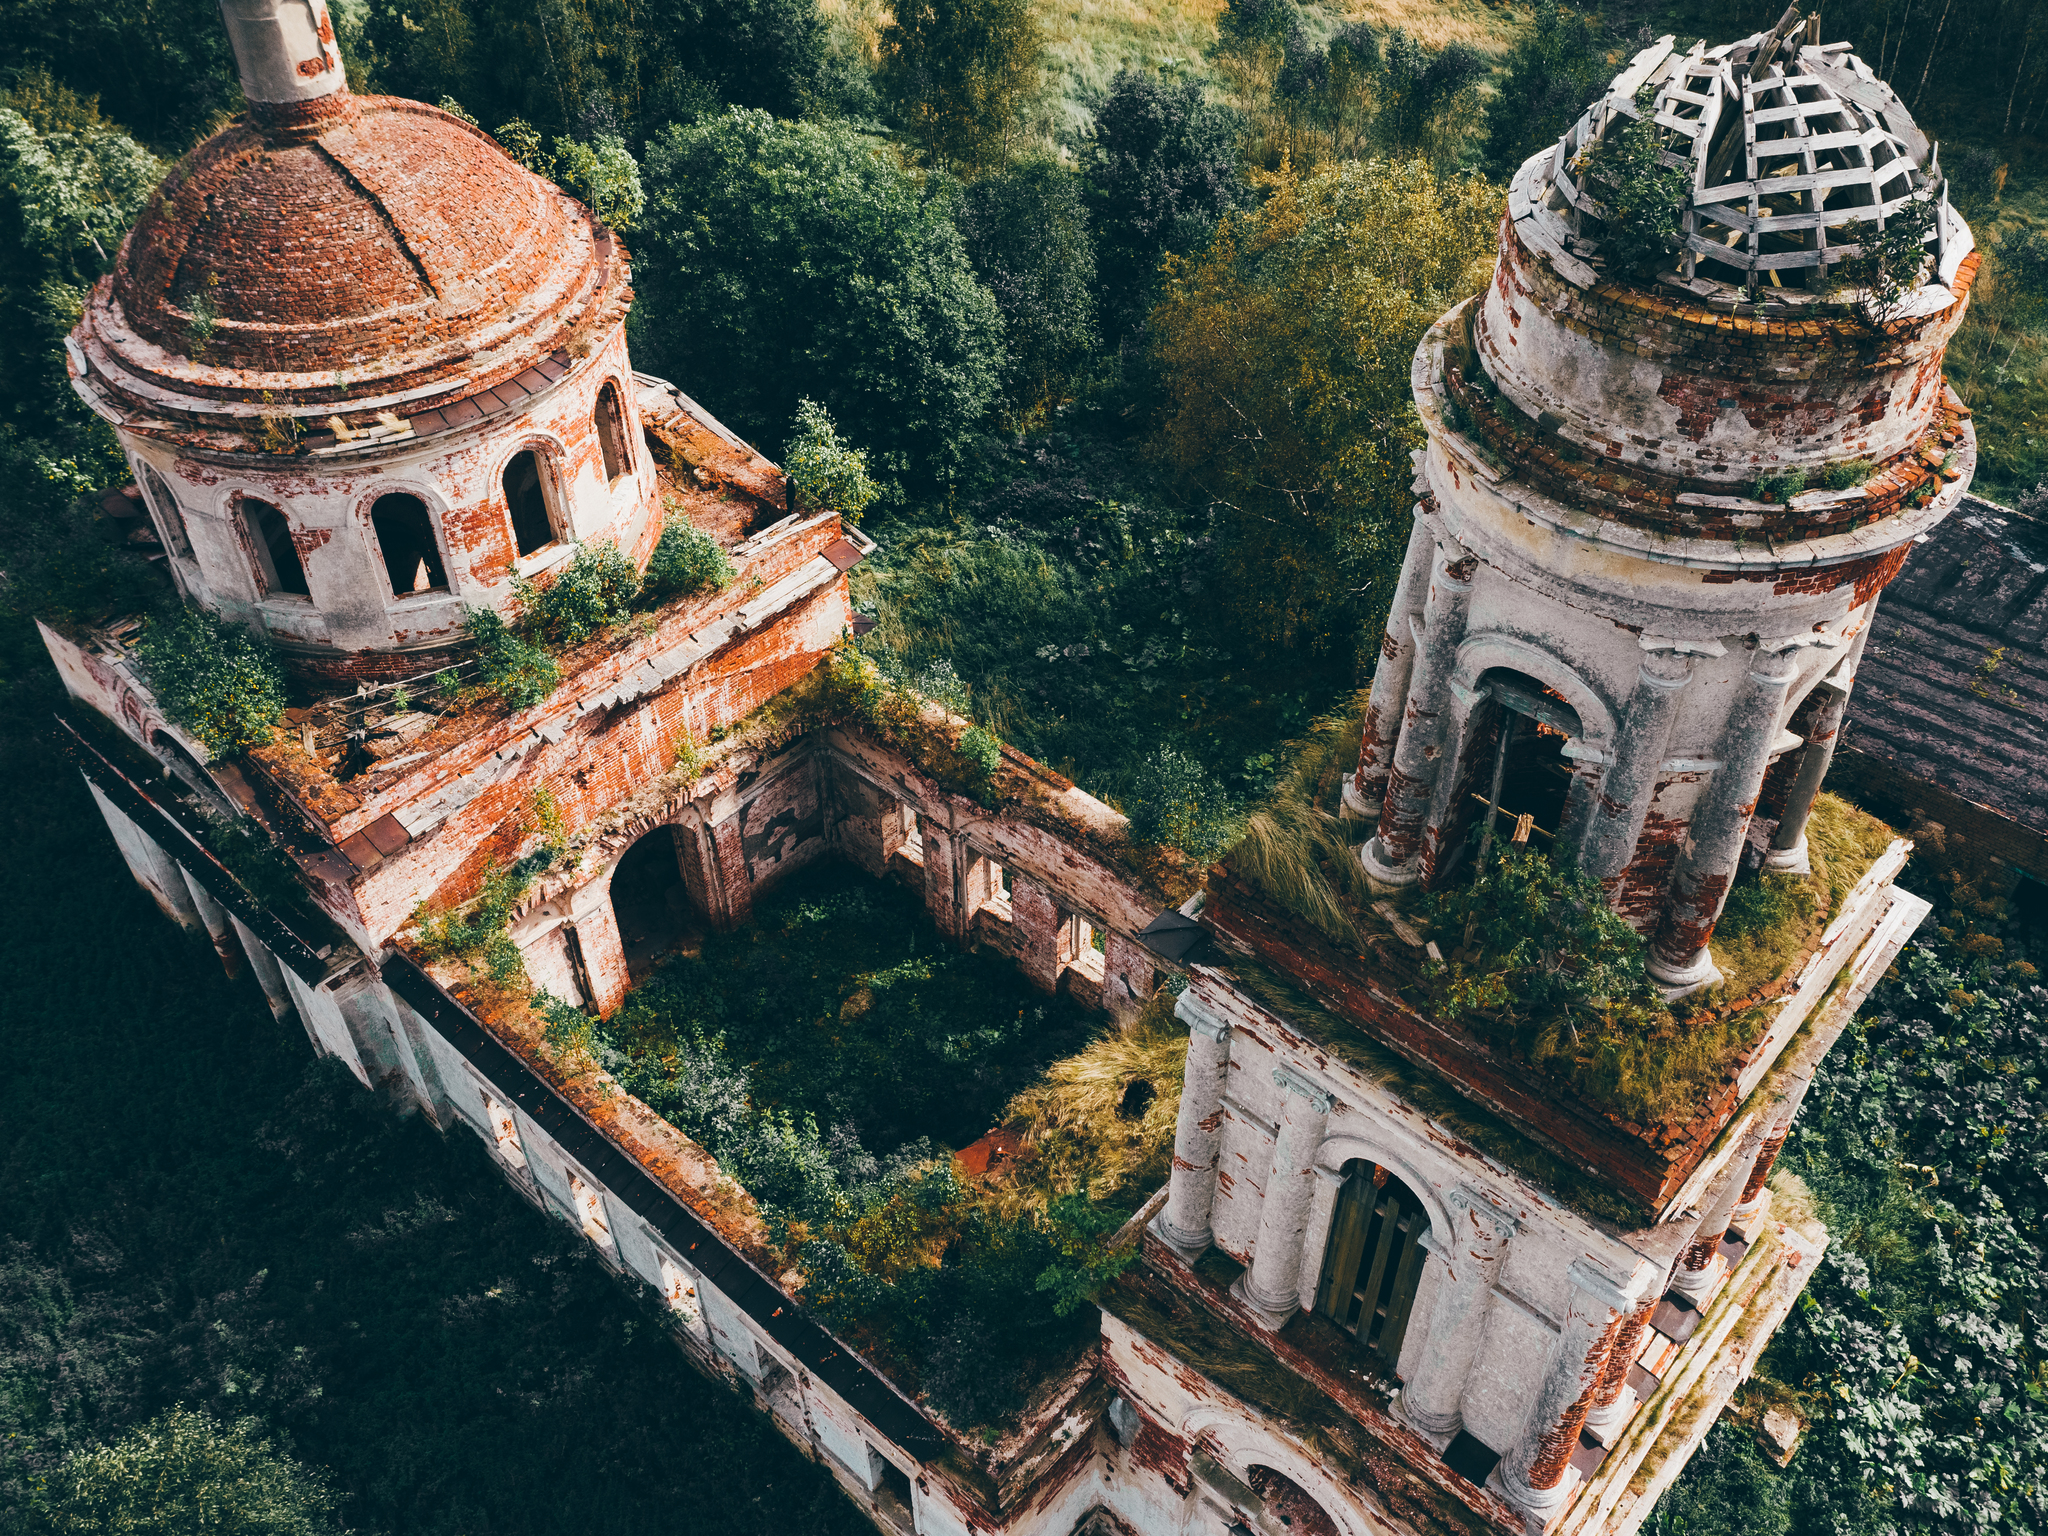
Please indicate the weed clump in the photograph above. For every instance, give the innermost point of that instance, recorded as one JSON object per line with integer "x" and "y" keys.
{"x": 216, "y": 680}
{"x": 590, "y": 594}
{"x": 1174, "y": 800}
{"x": 685, "y": 562}
{"x": 519, "y": 673}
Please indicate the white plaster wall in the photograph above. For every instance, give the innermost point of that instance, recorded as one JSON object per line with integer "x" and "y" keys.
{"x": 458, "y": 474}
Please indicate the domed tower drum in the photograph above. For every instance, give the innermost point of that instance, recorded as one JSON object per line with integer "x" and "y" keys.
{"x": 1662, "y": 493}
{"x": 367, "y": 368}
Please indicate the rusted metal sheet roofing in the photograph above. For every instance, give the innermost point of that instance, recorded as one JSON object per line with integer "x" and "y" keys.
{"x": 1953, "y": 687}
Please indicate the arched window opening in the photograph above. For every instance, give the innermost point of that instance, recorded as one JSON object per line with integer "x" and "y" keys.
{"x": 532, "y": 528}
{"x": 405, "y": 537}
{"x": 1518, "y": 777}
{"x": 277, "y": 558}
{"x": 169, "y": 515}
{"x": 611, "y": 433}
{"x": 1374, "y": 1259}
{"x": 651, "y": 902}
{"x": 1289, "y": 1503}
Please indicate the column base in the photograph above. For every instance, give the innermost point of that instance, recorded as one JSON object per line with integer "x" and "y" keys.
{"x": 1272, "y": 1316}
{"x": 1186, "y": 1246}
{"x": 1678, "y": 981}
{"x": 1539, "y": 1505}
{"x": 1437, "y": 1426}
{"x": 1745, "y": 1221}
{"x": 1604, "y": 1424}
{"x": 1382, "y": 876}
{"x": 1355, "y": 807}
{"x": 1788, "y": 861}
{"x": 1696, "y": 1285}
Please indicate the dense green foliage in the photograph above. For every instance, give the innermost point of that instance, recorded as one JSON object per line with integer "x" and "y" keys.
{"x": 794, "y": 261}
{"x": 824, "y": 473}
{"x": 217, "y": 680}
{"x": 590, "y": 594}
{"x": 519, "y": 673}
{"x": 958, "y": 73}
{"x": 1641, "y": 194}
{"x": 1026, "y": 232}
{"x": 181, "y": 1474}
{"x": 829, "y": 1054}
{"x": 1162, "y": 170}
{"x": 684, "y": 563}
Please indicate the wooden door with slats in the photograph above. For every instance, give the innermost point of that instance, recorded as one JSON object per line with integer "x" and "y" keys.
{"x": 1374, "y": 1259}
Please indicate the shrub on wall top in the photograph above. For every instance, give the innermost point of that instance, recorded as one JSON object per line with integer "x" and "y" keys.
{"x": 216, "y": 680}
{"x": 685, "y": 562}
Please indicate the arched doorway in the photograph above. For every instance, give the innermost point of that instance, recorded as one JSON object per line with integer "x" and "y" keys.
{"x": 655, "y": 914}
{"x": 1373, "y": 1260}
{"x": 1515, "y": 766}
{"x": 1289, "y": 1503}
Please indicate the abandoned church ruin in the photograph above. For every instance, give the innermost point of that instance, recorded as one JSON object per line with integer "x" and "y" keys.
{"x": 1403, "y": 1276}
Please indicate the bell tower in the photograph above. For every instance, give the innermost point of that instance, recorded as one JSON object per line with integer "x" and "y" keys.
{"x": 1661, "y": 499}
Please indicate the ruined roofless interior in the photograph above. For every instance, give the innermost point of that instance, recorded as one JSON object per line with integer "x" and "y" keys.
{"x": 1400, "y": 1272}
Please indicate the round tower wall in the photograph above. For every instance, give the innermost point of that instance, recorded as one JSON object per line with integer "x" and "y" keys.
{"x": 1657, "y": 381}
{"x": 350, "y": 625}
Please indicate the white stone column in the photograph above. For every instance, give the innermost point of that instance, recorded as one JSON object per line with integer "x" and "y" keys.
{"x": 1366, "y": 788}
{"x": 1197, "y": 1133}
{"x": 1679, "y": 958}
{"x": 1640, "y": 746}
{"x": 267, "y": 968}
{"x": 1823, "y": 731}
{"x": 1534, "y": 1471}
{"x": 154, "y": 870}
{"x": 225, "y": 942}
{"x": 1694, "y": 1277}
{"x": 1272, "y": 1286}
{"x": 1751, "y": 1200}
{"x": 1392, "y": 856}
{"x": 1470, "y": 1253}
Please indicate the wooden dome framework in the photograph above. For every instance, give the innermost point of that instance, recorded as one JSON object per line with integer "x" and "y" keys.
{"x": 1788, "y": 153}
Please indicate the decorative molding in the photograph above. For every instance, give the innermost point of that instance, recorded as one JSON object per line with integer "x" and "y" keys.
{"x": 1291, "y": 1081}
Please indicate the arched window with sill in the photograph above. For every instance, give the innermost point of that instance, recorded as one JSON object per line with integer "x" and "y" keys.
{"x": 611, "y": 433}
{"x": 1373, "y": 1261}
{"x": 405, "y": 538}
{"x": 526, "y": 497}
{"x": 278, "y": 570}
{"x": 1514, "y": 770}
{"x": 169, "y": 515}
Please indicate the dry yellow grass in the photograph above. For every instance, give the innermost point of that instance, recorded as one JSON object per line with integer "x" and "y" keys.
{"x": 1071, "y": 1121}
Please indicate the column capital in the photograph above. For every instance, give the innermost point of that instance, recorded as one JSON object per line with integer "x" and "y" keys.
{"x": 1200, "y": 1019}
{"x": 1600, "y": 1283}
{"x": 1291, "y": 1081}
{"x": 1467, "y": 1199}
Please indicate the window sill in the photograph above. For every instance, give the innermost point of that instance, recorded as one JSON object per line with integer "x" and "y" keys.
{"x": 546, "y": 558}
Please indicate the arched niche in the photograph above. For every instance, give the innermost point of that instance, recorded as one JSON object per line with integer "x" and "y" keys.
{"x": 1241, "y": 1445}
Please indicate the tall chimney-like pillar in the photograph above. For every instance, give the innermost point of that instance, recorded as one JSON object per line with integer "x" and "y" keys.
{"x": 285, "y": 50}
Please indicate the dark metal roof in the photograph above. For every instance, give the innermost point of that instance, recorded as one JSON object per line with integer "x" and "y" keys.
{"x": 1953, "y": 687}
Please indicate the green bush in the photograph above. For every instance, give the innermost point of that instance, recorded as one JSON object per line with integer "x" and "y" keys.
{"x": 1174, "y": 800}
{"x": 685, "y": 562}
{"x": 1778, "y": 485}
{"x": 587, "y": 596}
{"x": 1846, "y": 474}
{"x": 825, "y": 474}
{"x": 521, "y": 675}
{"x": 1642, "y": 194}
{"x": 605, "y": 176}
{"x": 184, "y": 1473}
{"x": 980, "y": 751}
{"x": 216, "y": 680}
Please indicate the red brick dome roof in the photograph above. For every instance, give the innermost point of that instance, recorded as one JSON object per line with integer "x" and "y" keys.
{"x": 369, "y": 253}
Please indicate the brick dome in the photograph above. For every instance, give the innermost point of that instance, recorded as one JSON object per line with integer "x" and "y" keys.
{"x": 367, "y": 253}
